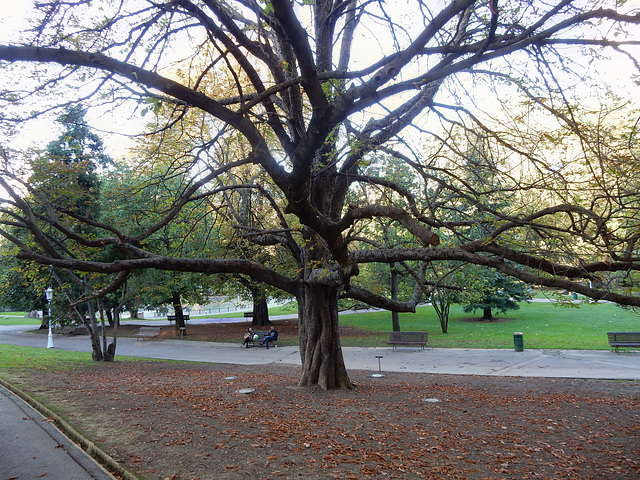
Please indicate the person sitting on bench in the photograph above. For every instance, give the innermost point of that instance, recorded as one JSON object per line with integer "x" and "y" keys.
{"x": 248, "y": 337}
{"x": 270, "y": 336}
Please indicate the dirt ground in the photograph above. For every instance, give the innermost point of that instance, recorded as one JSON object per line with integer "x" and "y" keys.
{"x": 233, "y": 332}
{"x": 167, "y": 420}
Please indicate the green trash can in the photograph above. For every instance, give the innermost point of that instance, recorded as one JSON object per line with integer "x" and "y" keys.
{"x": 518, "y": 341}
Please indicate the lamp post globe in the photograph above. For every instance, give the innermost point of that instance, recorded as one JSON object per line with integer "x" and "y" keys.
{"x": 49, "y": 294}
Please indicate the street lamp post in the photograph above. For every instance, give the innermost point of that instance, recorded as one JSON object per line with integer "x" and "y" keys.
{"x": 49, "y": 294}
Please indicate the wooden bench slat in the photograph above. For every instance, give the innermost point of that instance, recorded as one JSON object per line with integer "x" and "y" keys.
{"x": 623, "y": 339}
{"x": 71, "y": 330}
{"x": 260, "y": 338}
{"x": 408, "y": 339}
{"x": 172, "y": 318}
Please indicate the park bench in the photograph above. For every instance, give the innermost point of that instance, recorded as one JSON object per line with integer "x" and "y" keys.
{"x": 260, "y": 338}
{"x": 356, "y": 307}
{"x": 172, "y": 318}
{"x": 147, "y": 332}
{"x": 360, "y": 306}
{"x": 64, "y": 331}
{"x": 408, "y": 339}
{"x": 248, "y": 314}
{"x": 69, "y": 330}
{"x": 623, "y": 339}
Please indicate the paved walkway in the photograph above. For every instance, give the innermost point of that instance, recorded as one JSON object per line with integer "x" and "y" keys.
{"x": 32, "y": 447}
{"x": 29, "y": 445}
{"x": 601, "y": 364}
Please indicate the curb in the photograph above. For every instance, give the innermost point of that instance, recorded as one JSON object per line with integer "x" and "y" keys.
{"x": 101, "y": 457}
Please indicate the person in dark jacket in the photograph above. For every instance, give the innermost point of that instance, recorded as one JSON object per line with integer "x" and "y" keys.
{"x": 270, "y": 336}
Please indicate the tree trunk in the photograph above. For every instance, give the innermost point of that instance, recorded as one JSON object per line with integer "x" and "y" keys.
{"x": 133, "y": 309}
{"x": 442, "y": 306}
{"x": 110, "y": 352}
{"x": 260, "y": 309}
{"x": 487, "y": 313}
{"x": 44, "y": 324}
{"x": 395, "y": 316}
{"x": 107, "y": 312}
{"x": 320, "y": 351}
{"x": 92, "y": 327}
{"x": 177, "y": 308}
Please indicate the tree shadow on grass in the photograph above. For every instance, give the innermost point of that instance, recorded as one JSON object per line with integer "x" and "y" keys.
{"x": 485, "y": 320}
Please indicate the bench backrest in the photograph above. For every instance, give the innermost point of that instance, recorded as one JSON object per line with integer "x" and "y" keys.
{"x": 408, "y": 336}
{"x": 260, "y": 334}
{"x": 624, "y": 337}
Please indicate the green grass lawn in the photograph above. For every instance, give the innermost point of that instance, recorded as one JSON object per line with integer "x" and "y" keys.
{"x": 14, "y": 358}
{"x": 17, "y": 318}
{"x": 543, "y": 326}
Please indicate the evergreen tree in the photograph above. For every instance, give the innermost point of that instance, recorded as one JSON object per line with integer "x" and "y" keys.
{"x": 498, "y": 293}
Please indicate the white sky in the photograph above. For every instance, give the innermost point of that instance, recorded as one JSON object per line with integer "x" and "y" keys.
{"x": 13, "y": 19}
{"x": 13, "y": 15}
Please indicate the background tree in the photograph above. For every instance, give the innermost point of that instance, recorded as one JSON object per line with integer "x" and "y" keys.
{"x": 317, "y": 108}
{"x": 453, "y": 286}
{"x": 22, "y": 286}
{"x": 135, "y": 200}
{"x": 233, "y": 226}
{"x": 496, "y": 292}
{"x": 64, "y": 177}
{"x": 404, "y": 279}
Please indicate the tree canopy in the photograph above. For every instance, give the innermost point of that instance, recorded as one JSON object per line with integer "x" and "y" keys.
{"x": 310, "y": 94}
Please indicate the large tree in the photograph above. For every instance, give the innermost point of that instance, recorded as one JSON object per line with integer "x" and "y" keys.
{"x": 320, "y": 88}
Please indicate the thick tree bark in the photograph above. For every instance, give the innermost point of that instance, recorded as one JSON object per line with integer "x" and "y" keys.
{"x": 320, "y": 351}
{"x": 260, "y": 308}
{"x": 92, "y": 327}
{"x": 487, "y": 313}
{"x": 177, "y": 308}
